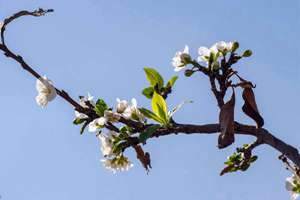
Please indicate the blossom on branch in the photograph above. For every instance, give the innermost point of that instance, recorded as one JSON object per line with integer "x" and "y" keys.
{"x": 107, "y": 143}
{"x": 111, "y": 116}
{"x": 205, "y": 53}
{"x": 292, "y": 184}
{"x": 119, "y": 163}
{"x": 79, "y": 115}
{"x": 46, "y": 91}
{"x": 121, "y": 105}
{"x": 181, "y": 59}
{"x": 224, "y": 46}
{"x": 1, "y": 24}
{"x": 97, "y": 124}
{"x": 84, "y": 101}
{"x": 132, "y": 112}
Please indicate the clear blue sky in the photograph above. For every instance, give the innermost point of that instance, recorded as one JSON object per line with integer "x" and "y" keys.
{"x": 101, "y": 47}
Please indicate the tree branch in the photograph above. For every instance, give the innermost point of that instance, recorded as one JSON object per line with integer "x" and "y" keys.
{"x": 8, "y": 53}
{"x": 263, "y": 136}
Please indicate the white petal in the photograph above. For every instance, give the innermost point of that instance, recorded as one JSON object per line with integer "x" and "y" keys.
{"x": 46, "y": 91}
{"x": 89, "y": 97}
{"x": 101, "y": 121}
{"x": 186, "y": 49}
{"x": 80, "y": 115}
{"x": 96, "y": 124}
{"x": 93, "y": 127}
{"x": 221, "y": 46}
{"x": 289, "y": 185}
{"x": 127, "y": 113}
{"x": 294, "y": 196}
{"x": 203, "y": 51}
{"x": 214, "y": 49}
{"x": 134, "y": 102}
{"x": 177, "y": 69}
{"x": 41, "y": 100}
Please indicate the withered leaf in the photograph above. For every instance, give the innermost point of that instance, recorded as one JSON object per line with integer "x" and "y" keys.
{"x": 226, "y": 120}
{"x": 250, "y": 107}
{"x": 143, "y": 157}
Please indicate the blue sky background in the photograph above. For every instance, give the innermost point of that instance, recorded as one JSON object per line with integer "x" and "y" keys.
{"x": 101, "y": 47}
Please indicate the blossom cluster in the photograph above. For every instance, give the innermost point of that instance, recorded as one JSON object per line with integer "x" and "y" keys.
{"x": 114, "y": 161}
{"x": 123, "y": 109}
{"x": 292, "y": 184}
{"x": 182, "y": 58}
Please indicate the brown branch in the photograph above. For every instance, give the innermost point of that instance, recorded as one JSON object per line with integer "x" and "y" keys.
{"x": 8, "y": 53}
{"x": 218, "y": 94}
{"x": 263, "y": 136}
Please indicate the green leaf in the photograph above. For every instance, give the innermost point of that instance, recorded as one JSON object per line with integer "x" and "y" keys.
{"x": 247, "y": 53}
{"x": 148, "y": 92}
{"x": 83, "y": 127}
{"x": 78, "y": 121}
{"x": 100, "y": 107}
{"x": 118, "y": 146}
{"x": 149, "y": 114}
{"x": 154, "y": 77}
{"x": 148, "y": 133}
{"x": 172, "y": 81}
{"x": 159, "y": 106}
{"x": 253, "y": 159}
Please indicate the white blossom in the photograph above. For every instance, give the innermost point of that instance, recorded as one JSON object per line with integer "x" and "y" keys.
{"x": 80, "y": 115}
{"x": 120, "y": 163}
{"x": 181, "y": 59}
{"x": 112, "y": 116}
{"x": 121, "y": 105}
{"x": 46, "y": 91}
{"x": 224, "y": 46}
{"x": 1, "y": 24}
{"x": 107, "y": 143}
{"x": 204, "y": 53}
{"x": 97, "y": 124}
{"x": 89, "y": 99}
{"x": 132, "y": 112}
{"x": 290, "y": 185}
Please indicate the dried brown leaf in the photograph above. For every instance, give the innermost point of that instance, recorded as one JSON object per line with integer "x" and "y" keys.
{"x": 143, "y": 157}
{"x": 250, "y": 106}
{"x": 226, "y": 120}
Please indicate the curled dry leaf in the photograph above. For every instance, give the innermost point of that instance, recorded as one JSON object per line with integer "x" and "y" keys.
{"x": 143, "y": 157}
{"x": 226, "y": 120}
{"x": 250, "y": 106}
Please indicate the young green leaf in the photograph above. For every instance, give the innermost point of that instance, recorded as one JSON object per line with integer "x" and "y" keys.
{"x": 148, "y": 133}
{"x": 100, "y": 107}
{"x": 149, "y": 114}
{"x": 172, "y": 81}
{"x": 148, "y": 92}
{"x": 78, "y": 121}
{"x": 154, "y": 77}
{"x": 118, "y": 146}
{"x": 159, "y": 107}
{"x": 83, "y": 127}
